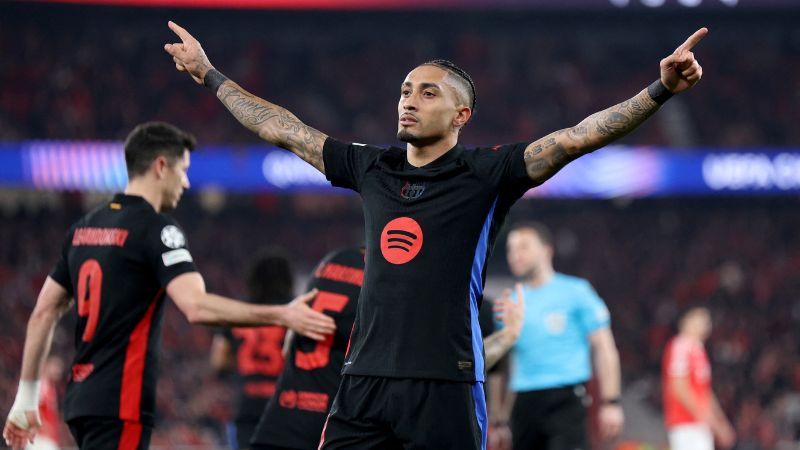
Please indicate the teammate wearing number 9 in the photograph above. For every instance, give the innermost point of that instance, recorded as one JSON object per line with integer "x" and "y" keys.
{"x": 119, "y": 262}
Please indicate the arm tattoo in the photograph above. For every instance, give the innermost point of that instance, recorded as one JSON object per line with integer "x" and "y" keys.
{"x": 545, "y": 157}
{"x": 495, "y": 346}
{"x": 273, "y": 124}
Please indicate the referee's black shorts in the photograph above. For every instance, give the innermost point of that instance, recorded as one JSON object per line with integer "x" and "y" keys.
{"x": 551, "y": 419}
{"x": 395, "y": 413}
{"x": 109, "y": 433}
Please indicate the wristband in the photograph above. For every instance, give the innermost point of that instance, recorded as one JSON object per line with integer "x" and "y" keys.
{"x": 27, "y": 396}
{"x": 658, "y": 92}
{"x": 214, "y": 79}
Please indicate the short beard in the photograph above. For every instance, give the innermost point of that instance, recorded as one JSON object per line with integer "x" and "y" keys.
{"x": 406, "y": 136}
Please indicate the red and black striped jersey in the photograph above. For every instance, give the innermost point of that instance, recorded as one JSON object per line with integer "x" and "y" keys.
{"x": 295, "y": 415}
{"x": 116, "y": 262}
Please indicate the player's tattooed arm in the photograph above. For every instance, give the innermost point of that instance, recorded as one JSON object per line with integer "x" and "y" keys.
{"x": 511, "y": 314}
{"x": 274, "y": 124}
{"x": 546, "y": 156}
{"x": 496, "y": 345}
{"x": 271, "y": 122}
{"x": 679, "y": 71}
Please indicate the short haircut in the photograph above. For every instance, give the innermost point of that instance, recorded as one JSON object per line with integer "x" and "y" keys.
{"x": 460, "y": 76}
{"x": 270, "y": 279}
{"x": 150, "y": 140}
{"x": 541, "y": 230}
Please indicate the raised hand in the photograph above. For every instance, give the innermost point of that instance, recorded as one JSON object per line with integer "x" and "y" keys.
{"x": 681, "y": 70}
{"x": 510, "y": 312}
{"x": 188, "y": 55}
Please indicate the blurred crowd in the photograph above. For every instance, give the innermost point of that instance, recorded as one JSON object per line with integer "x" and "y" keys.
{"x": 647, "y": 259}
{"x": 83, "y": 73}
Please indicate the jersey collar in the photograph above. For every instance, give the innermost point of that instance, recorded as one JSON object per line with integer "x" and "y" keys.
{"x": 125, "y": 199}
{"x": 395, "y": 162}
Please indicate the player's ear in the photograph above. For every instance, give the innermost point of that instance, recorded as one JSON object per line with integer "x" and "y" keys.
{"x": 160, "y": 166}
{"x": 463, "y": 114}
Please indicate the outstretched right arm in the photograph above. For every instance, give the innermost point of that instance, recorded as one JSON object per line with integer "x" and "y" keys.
{"x": 188, "y": 291}
{"x": 271, "y": 122}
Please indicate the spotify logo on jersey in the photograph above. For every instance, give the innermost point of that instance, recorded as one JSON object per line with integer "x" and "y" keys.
{"x": 401, "y": 240}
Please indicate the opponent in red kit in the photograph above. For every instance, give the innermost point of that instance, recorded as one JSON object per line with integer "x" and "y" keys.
{"x": 692, "y": 414}
{"x": 119, "y": 262}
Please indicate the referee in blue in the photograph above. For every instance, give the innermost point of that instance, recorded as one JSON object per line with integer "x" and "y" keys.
{"x": 566, "y": 326}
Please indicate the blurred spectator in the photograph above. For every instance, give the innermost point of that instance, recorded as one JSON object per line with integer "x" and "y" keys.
{"x": 73, "y": 72}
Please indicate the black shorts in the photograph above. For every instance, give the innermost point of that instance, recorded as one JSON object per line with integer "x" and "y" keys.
{"x": 400, "y": 413}
{"x": 244, "y": 432}
{"x": 109, "y": 433}
{"x": 550, "y": 419}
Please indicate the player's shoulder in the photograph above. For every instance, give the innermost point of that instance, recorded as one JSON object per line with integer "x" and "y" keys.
{"x": 95, "y": 215}
{"x": 682, "y": 345}
{"x": 492, "y": 150}
{"x": 571, "y": 281}
{"x": 350, "y": 256}
{"x": 337, "y": 144}
{"x": 169, "y": 231}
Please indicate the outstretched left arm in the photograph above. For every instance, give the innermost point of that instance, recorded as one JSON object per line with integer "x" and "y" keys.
{"x": 679, "y": 72}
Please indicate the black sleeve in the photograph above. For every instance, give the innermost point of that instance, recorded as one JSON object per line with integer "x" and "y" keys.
{"x": 503, "y": 166}
{"x": 167, "y": 250}
{"x": 486, "y": 317}
{"x": 345, "y": 164}
{"x": 60, "y": 272}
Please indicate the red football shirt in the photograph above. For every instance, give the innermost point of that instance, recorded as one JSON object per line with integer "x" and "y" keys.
{"x": 48, "y": 411}
{"x": 686, "y": 357}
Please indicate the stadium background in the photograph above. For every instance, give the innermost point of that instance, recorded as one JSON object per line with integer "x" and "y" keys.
{"x": 74, "y": 79}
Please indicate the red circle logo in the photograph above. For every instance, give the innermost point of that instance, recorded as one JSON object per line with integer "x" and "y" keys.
{"x": 401, "y": 240}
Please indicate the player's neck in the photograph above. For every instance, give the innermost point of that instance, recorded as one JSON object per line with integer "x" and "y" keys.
{"x": 145, "y": 190}
{"x": 421, "y": 155}
{"x": 540, "y": 277}
{"x": 692, "y": 337}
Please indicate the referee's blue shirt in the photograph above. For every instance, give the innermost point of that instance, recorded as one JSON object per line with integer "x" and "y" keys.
{"x": 553, "y": 348}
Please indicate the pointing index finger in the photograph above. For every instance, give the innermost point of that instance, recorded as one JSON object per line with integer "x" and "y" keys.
{"x": 180, "y": 31}
{"x": 693, "y": 40}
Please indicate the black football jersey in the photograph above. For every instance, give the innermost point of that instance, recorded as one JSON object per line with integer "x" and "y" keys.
{"x": 429, "y": 232}
{"x": 259, "y": 362}
{"x": 116, "y": 262}
{"x": 295, "y": 415}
